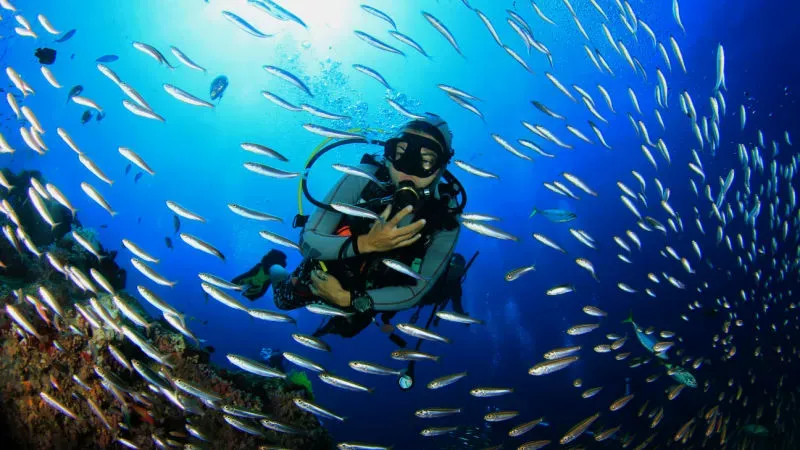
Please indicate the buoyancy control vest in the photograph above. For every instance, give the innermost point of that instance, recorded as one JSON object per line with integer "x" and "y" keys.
{"x": 367, "y": 271}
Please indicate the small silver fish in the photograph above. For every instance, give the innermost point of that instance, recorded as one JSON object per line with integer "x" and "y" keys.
{"x": 355, "y": 211}
{"x": 404, "y": 269}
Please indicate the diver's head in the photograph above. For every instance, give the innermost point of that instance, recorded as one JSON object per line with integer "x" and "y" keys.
{"x": 420, "y": 152}
{"x": 457, "y": 267}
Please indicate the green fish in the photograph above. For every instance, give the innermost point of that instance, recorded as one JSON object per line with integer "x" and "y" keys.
{"x": 555, "y": 215}
{"x": 646, "y": 341}
{"x": 755, "y": 430}
{"x": 681, "y": 375}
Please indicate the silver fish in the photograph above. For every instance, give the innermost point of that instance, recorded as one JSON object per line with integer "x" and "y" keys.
{"x": 254, "y": 367}
{"x": 446, "y": 380}
{"x": 331, "y": 133}
{"x": 244, "y": 25}
{"x": 219, "y": 282}
{"x": 271, "y": 172}
{"x": 373, "y": 74}
{"x": 270, "y": 316}
{"x": 186, "y": 97}
{"x": 404, "y": 269}
{"x": 317, "y": 410}
{"x": 222, "y": 296}
{"x": 303, "y": 362}
{"x": 488, "y": 230}
{"x": 287, "y": 76}
{"x": 185, "y": 59}
{"x": 136, "y": 250}
{"x": 311, "y": 342}
{"x": 242, "y": 425}
{"x": 343, "y": 383}
{"x": 252, "y": 214}
{"x": 280, "y": 240}
{"x": 150, "y": 273}
{"x": 142, "y": 112}
{"x": 58, "y": 406}
{"x": 373, "y": 369}
{"x": 201, "y": 245}
{"x": 153, "y": 52}
{"x": 441, "y": 28}
{"x": 474, "y": 170}
{"x": 421, "y": 333}
{"x": 313, "y": 110}
{"x": 456, "y": 317}
{"x": 516, "y": 273}
{"x": 408, "y": 41}
{"x": 377, "y": 43}
{"x": 355, "y": 211}
{"x": 379, "y": 14}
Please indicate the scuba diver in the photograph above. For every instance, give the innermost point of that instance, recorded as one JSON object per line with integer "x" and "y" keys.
{"x": 417, "y": 200}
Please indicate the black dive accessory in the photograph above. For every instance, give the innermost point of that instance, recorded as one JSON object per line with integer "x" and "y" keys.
{"x": 405, "y": 154}
{"x": 452, "y": 189}
{"x": 406, "y": 380}
{"x": 407, "y": 194}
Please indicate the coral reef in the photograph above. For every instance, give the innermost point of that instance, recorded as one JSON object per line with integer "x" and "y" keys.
{"x": 88, "y": 368}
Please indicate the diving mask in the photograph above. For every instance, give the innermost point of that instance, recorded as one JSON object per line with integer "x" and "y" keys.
{"x": 405, "y": 152}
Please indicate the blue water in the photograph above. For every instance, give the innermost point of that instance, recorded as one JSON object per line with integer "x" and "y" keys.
{"x": 198, "y": 163}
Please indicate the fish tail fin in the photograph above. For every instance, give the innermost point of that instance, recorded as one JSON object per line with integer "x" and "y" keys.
{"x": 436, "y": 358}
{"x": 54, "y": 226}
{"x": 113, "y": 213}
{"x": 630, "y": 318}
{"x": 533, "y": 213}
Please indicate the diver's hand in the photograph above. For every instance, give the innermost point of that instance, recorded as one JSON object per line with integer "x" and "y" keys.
{"x": 327, "y": 287}
{"x": 385, "y": 235}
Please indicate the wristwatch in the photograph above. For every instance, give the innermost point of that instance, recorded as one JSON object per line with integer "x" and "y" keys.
{"x": 362, "y": 303}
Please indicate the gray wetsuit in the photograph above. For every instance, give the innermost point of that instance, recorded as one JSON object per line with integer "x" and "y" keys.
{"x": 320, "y": 242}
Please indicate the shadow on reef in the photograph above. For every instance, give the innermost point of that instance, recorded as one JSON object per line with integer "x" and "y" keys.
{"x": 83, "y": 365}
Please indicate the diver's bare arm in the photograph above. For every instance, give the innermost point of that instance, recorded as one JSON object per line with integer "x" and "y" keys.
{"x": 318, "y": 240}
{"x": 434, "y": 264}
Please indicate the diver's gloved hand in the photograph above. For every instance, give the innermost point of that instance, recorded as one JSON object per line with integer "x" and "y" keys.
{"x": 386, "y": 235}
{"x": 256, "y": 281}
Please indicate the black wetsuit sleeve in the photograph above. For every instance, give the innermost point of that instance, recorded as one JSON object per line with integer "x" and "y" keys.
{"x": 318, "y": 240}
{"x": 434, "y": 265}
